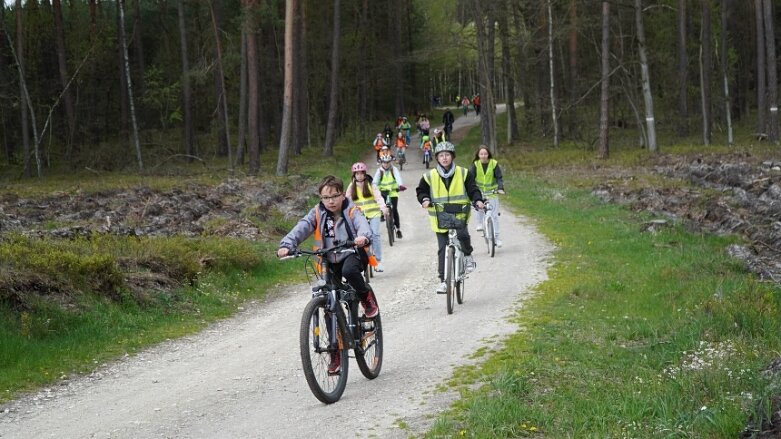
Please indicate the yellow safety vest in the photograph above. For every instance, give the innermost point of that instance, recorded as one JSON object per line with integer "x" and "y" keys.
{"x": 368, "y": 205}
{"x": 456, "y": 194}
{"x": 388, "y": 182}
{"x": 486, "y": 180}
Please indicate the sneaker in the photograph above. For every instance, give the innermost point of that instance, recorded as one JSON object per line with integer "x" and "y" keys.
{"x": 370, "y": 308}
{"x": 498, "y": 242}
{"x": 336, "y": 363}
{"x": 442, "y": 288}
{"x": 379, "y": 268}
{"x": 469, "y": 263}
{"x": 480, "y": 228}
{"x": 398, "y": 233}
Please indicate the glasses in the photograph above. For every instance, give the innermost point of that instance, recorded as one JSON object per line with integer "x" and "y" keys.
{"x": 331, "y": 198}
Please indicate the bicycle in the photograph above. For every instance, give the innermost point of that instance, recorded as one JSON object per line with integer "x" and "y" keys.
{"x": 331, "y": 324}
{"x": 427, "y": 157}
{"x": 453, "y": 218}
{"x": 401, "y": 157}
{"x": 489, "y": 235}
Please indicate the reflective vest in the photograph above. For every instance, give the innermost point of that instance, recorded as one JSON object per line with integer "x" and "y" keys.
{"x": 486, "y": 180}
{"x": 368, "y": 205}
{"x": 426, "y": 145}
{"x": 456, "y": 194}
{"x": 388, "y": 182}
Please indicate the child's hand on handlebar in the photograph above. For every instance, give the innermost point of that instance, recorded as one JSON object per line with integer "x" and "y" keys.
{"x": 282, "y": 252}
{"x": 361, "y": 241}
{"x": 479, "y": 204}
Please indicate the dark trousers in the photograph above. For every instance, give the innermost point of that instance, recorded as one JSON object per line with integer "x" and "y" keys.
{"x": 352, "y": 269}
{"x": 466, "y": 247}
{"x": 395, "y": 203}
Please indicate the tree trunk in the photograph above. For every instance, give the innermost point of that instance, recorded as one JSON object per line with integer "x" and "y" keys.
{"x": 573, "y": 70}
{"x": 223, "y": 135}
{"x": 223, "y": 95}
{"x": 22, "y": 93}
{"x": 646, "y": 78}
{"x": 554, "y": 117}
{"x": 124, "y": 113}
{"x": 242, "y": 124}
{"x": 189, "y": 146}
{"x": 683, "y": 75}
{"x": 707, "y": 65}
{"x": 484, "y": 46}
{"x": 8, "y": 146}
{"x": 330, "y": 132}
{"x": 298, "y": 133}
{"x": 725, "y": 67}
{"x": 287, "y": 102}
{"x": 253, "y": 99}
{"x": 123, "y": 42}
{"x": 604, "y": 113}
{"x": 507, "y": 69}
{"x": 772, "y": 75}
{"x": 70, "y": 112}
{"x": 398, "y": 66}
{"x": 761, "y": 70}
{"x": 138, "y": 46}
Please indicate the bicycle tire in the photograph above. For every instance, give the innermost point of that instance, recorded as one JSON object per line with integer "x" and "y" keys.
{"x": 490, "y": 238}
{"x": 390, "y": 226}
{"x": 450, "y": 276}
{"x": 460, "y": 291}
{"x": 368, "y": 354}
{"x": 315, "y": 358}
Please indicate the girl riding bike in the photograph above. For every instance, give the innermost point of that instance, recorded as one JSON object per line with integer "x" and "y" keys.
{"x": 336, "y": 219}
{"x": 488, "y": 176}
{"x": 388, "y": 180}
{"x": 367, "y": 197}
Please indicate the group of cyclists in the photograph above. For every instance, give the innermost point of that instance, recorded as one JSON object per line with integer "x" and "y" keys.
{"x": 355, "y": 213}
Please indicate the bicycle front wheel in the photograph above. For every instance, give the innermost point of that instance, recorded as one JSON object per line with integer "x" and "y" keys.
{"x": 490, "y": 238}
{"x": 317, "y": 350}
{"x": 368, "y": 353}
{"x": 460, "y": 291}
{"x": 389, "y": 224}
{"x": 450, "y": 276}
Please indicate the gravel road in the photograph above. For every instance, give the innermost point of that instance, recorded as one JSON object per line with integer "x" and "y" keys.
{"x": 242, "y": 377}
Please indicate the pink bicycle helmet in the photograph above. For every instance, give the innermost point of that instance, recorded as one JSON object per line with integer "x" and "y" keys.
{"x": 359, "y": 167}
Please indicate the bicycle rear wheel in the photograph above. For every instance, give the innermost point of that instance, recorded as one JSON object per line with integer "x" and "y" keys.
{"x": 450, "y": 276}
{"x": 460, "y": 291}
{"x": 490, "y": 238}
{"x": 390, "y": 226}
{"x": 368, "y": 353}
{"x": 314, "y": 341}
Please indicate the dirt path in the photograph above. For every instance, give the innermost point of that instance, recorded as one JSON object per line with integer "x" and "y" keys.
{"x": 242, "y": 377}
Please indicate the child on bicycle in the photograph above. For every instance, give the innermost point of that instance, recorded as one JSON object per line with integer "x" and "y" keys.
{"x": 388, "y": 180}
{"x": 488, "y": 176}
{"x": 336, "y": 218}
{"x": 367, "y": 197}
{"x": 425, "y": 145}
{"x": 449, "y": 184}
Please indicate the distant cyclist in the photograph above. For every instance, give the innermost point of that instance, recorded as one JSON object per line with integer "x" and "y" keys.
{"x": 405, "y": 127}
{"x": 439, "y": 137}
{"x": 388, "y": 180}
{"x": 448, "y": 120}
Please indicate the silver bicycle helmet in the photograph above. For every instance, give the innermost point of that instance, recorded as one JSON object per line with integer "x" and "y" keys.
{"x": 445, "y": 147}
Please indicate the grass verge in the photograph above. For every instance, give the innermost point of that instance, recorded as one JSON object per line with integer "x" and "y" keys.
{"x": 634, "y": 334}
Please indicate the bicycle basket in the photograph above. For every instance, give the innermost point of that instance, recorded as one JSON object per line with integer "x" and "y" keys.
{"x": 451, "y": 216}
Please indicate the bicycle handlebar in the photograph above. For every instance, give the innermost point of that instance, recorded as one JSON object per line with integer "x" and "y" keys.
{"x": 339, "y": 247}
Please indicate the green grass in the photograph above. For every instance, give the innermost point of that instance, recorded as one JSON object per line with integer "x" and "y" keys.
{"x": 633, "y": 335}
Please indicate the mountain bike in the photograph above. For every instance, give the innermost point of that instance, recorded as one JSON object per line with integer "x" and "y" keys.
{"x": 390, "y": 224}
{"x": 427, "y": 157}
{"x": 332, "y": 325}
{"x": 452, "y": 217}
